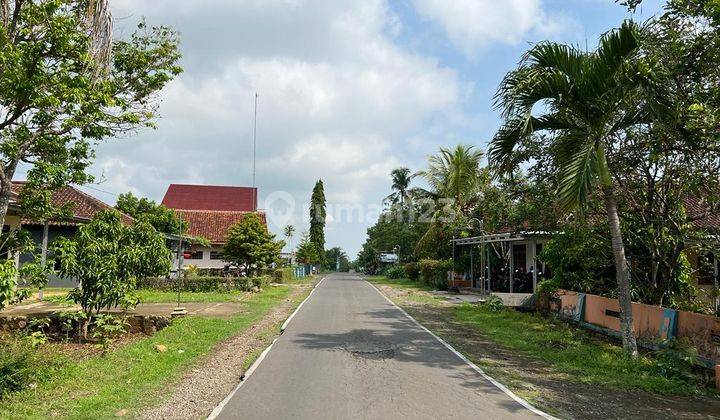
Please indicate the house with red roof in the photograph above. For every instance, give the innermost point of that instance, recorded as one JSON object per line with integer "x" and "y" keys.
{"x": 82, "y": 209}
{"x": 210, "y": 211}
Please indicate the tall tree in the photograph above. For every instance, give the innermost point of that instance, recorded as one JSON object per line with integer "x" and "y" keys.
{"x": 401, "y": 178}
{"x": 586, "y": 100}
{"x": 289, "y": 232}
{"x": 454, "y": 174}
{"x": 317, "y": 218}
{"x": 65, "y": 85}
{"x": 307, "y": 251}
{"x": 250, "y": 246}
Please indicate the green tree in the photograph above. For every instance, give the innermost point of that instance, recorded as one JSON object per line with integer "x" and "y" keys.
{"x": 336, "y": 255}
{"x": 317, "y": 218}
{"x": 454, "y": 174}
{"x": 307, "y": 251}
{"x": 65, "y": 85}
{"x": 587, "y": 99}
{"x": 401, "y": 178}
{"x": 289, "y": 232}
{"x": 108, "y": 258}
{"x": 160, "y": 217}
{"x": 250, "y": 246}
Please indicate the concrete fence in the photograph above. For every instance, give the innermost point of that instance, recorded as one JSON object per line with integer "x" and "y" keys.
{"x": 652, "y": 324}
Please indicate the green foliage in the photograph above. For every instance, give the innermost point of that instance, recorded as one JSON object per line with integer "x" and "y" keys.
{"x": 284, "y": 275}
{"x": 31, "y": 273}
{"x": 412, "y": 271}
{"x": 22, "y": 365}
{"x": 71, "y": 321}
{"x": 108, "y": 258}
{"x": 57, "y": 101}
{"x": 250, "y": 246}
{"x": 160, "y": 217}
{"x": 401, "y": 178}
{"x": 203, "y": 284}
{"x": 454, "y": 174}
{"x": 493, "y": 304}
{"x": 676, "y": 359}
{"x": 580, "y": 259}
{"x": 106, "y": 328}
{"x": 335, "y": 255}
{"x": 395, "y": 272}
{"x": 307, "y": 251}
{"x": 317, "y": 219}
{"x": 434, "y": 273}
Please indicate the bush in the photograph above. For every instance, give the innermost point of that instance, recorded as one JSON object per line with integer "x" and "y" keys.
{"x": 434, "y": 273}
{"x": 412, "y": 271}
{"x": 283, "y": 275}
{"x": 493, "y": 303}
{"x": 204, "y": 284}
{"x": 395, "y": 272}
{"x": 22, "y": 365}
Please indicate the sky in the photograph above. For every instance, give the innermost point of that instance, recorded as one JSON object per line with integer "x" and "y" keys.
{"x": 348, "y": 90}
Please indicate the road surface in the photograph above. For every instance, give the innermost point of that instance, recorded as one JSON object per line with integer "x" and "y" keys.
{"x": 350, "y": 354}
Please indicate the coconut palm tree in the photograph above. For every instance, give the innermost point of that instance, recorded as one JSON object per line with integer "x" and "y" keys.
{"x": 401, "y": 178}
{"x": 584, "y": 100}
{"x": 454, "y": 173}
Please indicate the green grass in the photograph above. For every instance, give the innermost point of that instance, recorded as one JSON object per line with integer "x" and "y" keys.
{"x": 568, "y": 350}
{"x": 157, "y": 296}
{"x": 135, "y": 375}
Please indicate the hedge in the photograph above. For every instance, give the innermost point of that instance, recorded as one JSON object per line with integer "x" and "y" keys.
{"x": 204, "y": 284}
{"x": 434, "y": 273}
{"x": 395, "y": 272}
{"x": 412, "y": 271}
{"x": 283, "y": 275}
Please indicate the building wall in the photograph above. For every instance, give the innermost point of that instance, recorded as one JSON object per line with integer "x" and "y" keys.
{"x": 54, "y": 232}
{"x": 204, "y": 261}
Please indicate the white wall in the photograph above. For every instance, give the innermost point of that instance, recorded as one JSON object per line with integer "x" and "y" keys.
{"x": 205, "y": 262}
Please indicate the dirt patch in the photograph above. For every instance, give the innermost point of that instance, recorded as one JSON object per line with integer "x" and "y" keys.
{"x": 539, "y": 383}
{"x": 206, "y": 385}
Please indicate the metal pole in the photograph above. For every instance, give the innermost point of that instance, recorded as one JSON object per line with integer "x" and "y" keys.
{"x": 472, "y": 277}
{"x": 254, "y": 151}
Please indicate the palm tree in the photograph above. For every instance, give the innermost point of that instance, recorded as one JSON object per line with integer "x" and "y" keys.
{"x": 454, "y": 173}
{"x": 401, "y": 178}
{"x": 584, "y": 100}
{"x": 289, "y": 231}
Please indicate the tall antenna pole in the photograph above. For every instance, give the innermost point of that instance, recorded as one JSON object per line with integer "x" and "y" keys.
{"x": 254, "y": 153}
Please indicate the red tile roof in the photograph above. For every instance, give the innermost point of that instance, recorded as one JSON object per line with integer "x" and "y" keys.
{"x": 84, "y": 206}
{"x": 212, "y": 225}
{"x": 210, "y": 197}
{"x": 699, "y": 210}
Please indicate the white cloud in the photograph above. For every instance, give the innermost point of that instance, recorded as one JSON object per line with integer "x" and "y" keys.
{"x": 338, "y": 99}
{"x": 473, "y": 24}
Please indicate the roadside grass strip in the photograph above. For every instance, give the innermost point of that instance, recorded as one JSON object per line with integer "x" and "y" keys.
{"x": 576, "y": 354}
{"x": 136, "y": 375}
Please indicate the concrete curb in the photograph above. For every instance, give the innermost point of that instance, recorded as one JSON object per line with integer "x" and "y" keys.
{"x": 475, "y": 367}
{"x": 216, "y": 412}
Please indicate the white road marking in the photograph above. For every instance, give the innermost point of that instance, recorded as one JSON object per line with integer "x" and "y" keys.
{"x": 216, "y": 412}
{"x": 500, "y": 386}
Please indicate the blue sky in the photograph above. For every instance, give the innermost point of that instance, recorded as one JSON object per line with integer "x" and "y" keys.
{"x": 348, "y": 90}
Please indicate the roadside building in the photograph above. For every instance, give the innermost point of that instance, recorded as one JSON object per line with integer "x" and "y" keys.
{"x": 210, "y": 211}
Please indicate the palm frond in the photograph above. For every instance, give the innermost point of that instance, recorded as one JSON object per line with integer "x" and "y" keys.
{"x": 578, "y": 170}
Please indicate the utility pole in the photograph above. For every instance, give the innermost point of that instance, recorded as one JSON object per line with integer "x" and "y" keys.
{"x": 254, "y": 153}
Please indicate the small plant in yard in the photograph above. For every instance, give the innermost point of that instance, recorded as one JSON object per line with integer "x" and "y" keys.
{"x": 412, "y": 271}
{"x": 22, "y": 365}
{"x": 676, "y": 358}
{"x": 71, "y": 320}
{"x": 395, "y": 272}
{"x": 106, "y": 328}
{"x": 493, "y": 303}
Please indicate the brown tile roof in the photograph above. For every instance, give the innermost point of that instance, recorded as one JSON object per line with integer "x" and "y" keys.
{"x": 210, "y": 197}
{"x": 213, "y": 225}
{"x": 84, "y": 206}
{"x": 701, "y": 215}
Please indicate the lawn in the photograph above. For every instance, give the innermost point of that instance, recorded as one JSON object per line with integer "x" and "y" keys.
{"x": 135, "y": 375}
{"x": 573, "y": 352}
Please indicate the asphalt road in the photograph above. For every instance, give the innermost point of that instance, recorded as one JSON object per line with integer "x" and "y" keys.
{"x": 350, "y": 354}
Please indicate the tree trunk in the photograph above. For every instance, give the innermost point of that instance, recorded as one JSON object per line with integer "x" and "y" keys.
{"x": 622, "y": 274}
{"x": 5, "y": 192}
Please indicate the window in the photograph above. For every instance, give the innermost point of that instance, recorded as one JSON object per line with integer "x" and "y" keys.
{"x": 706, "y": 269}
{"x": 216, "y": 255}
{"x": 196, "y": 255}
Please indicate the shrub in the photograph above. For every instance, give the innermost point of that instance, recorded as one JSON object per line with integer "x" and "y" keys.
{"x": 203, "y": 284}
{"x": 395, "y": 272}
{"x": 22, "y": 365}
{"x": 434, "y": 273}
{"x": 412, "y": 271}
{"x": 105, "y": 328}
{"x": 676, "y": 359}
{"x": 493, "y": 303}
{"x": 283, "y": 275}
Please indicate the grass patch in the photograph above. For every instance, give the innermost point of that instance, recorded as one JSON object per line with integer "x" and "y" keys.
{"x": 135, "y": 375}
{"x": 568, "y": 350}
{"x": 158, "y": 296}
